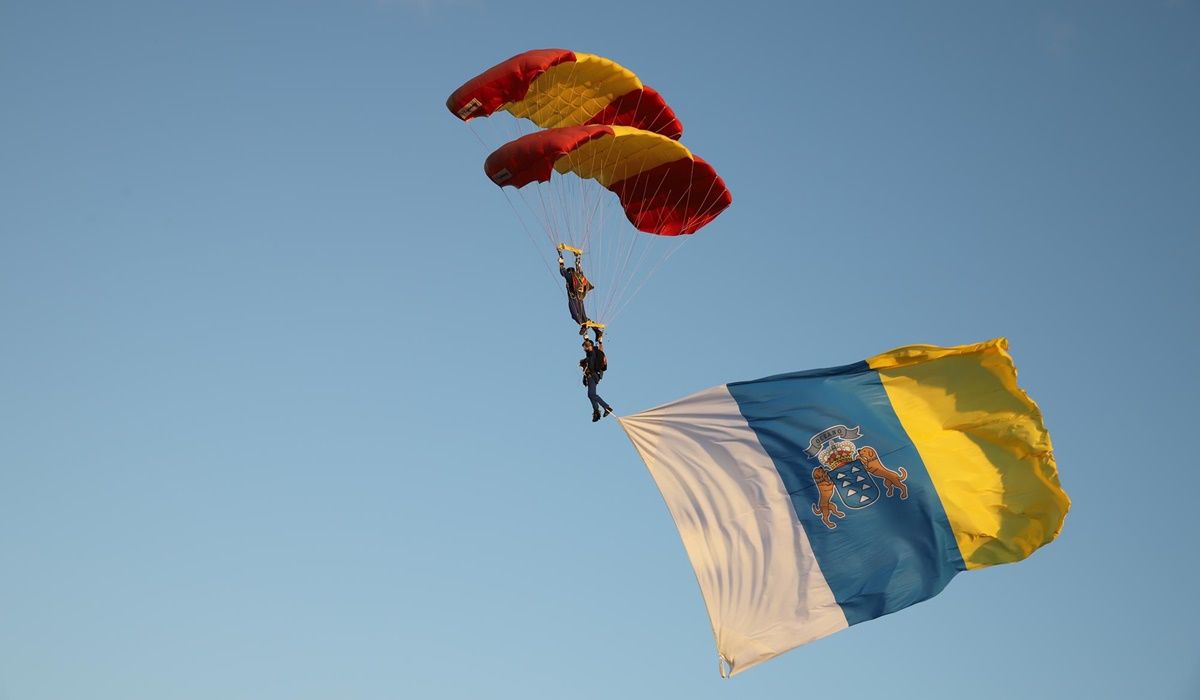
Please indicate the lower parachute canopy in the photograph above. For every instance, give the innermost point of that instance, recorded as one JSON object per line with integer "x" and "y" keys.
{"x": 663, "y": 187}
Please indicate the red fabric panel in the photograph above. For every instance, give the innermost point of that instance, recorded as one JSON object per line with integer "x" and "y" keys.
{"x": 531, "y": 158}
{"x": 674, "y": 198}
{"x": 504, "y": 82}
{"x": 642, "y": 109}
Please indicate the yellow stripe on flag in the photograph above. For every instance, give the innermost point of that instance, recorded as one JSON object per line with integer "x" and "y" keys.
{"x": 983, "y": 443}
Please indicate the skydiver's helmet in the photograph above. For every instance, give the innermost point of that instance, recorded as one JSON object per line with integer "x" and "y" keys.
{"x": 837, "y": 453}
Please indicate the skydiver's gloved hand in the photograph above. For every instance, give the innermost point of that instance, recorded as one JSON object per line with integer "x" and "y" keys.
{"x": 560, "y": 261}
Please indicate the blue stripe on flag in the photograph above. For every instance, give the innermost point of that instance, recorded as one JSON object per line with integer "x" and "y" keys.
{"x": 882, "y": 556}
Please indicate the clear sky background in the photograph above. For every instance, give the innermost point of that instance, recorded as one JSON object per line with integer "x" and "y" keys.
{"x": 289, "y": 410}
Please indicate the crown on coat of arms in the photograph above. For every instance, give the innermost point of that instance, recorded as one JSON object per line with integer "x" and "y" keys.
{"x": 837, "y": 454}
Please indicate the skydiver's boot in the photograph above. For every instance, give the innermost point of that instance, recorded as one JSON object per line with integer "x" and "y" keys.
{"x": 595, "y": 414}
{"x": 583, "y": 329}
{"x": 607, "y": 411}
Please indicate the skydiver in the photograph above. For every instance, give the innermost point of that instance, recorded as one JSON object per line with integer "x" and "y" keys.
{"x": 594, "y": 364}
{"x": 577, "y": 288}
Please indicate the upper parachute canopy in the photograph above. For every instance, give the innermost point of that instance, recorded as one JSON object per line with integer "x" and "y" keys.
{"x": 664, "y": 188}
{"x": 556, "y": 88}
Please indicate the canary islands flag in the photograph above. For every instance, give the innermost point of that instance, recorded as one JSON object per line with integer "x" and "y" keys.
{"x": 812, "y": 501}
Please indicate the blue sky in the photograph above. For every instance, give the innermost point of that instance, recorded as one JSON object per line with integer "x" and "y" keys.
{"x": 288, "y": 409}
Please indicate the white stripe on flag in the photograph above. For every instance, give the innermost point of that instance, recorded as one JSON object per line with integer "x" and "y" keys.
{"x": 760, "y": 580}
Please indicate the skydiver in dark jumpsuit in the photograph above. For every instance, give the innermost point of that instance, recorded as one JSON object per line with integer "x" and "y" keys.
{"x": 593, "y": 365}
{"x": 577, "y": 288}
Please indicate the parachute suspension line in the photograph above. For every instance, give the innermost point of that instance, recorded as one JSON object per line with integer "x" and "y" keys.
{"x": 621, "y": 265}
{"x": 661, "y": 110}
{"x": 692, "y": 174}
{"x": 571, "y": 197}
{"x": 471, "y": 126}
{"x": 549, "y": 219}
{"x": 687, "y": 195}
{"x": 520, "y": 218}
{"x": 637, "y": 251}
{"x": 629, "y": 278}
{"x": 614, "y": 266}
{"x": 532, "y": 242}
{"x": 584, "y": 197}
{"x": 691, "y": 178}
{"x": 573, "y": 102}
{"x": 612, "y": 241}
{"x": 706, "y": 201}
{"x": 602, "y": 249}
{"x": 560, "y": 106}
{"x": 637, "y": 109}
{"x": 560, "y": 187}
{"x": 613, "y": 251}
{"x": 637, "y": 242}
{"x": 589, "y": 200}
{"x": 598, "y": 192}
{"x": 547, "y": 224}
{"x": 677, "y": 244}
{"x": 565, "y": 231}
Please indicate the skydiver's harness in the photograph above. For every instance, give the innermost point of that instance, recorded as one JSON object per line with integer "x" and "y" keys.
{"x": 580, "y": 285}
{"x": 601, "y": 363}
{"x": 577, "y": 283}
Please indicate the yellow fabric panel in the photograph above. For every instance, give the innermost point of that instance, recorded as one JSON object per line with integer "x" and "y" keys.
{"x": 984, "y": 445}
{"x": 571, "y": 93}
{"x": 626, "y": 153}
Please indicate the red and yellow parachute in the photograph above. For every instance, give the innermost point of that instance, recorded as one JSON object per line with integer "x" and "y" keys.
{"x": 663, "y": 188}
{"x": 601, "y": 131}
{"x": 555, "y": 88}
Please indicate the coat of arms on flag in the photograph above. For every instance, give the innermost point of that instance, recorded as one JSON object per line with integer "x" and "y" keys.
{"x": 850, "y": 472}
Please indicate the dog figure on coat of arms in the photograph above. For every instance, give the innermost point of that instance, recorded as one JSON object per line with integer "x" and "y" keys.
{"x": 892, "y": 480}
{"x": 826, "y": 507}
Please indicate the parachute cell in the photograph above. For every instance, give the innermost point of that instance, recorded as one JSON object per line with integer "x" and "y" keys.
{"x": 663, "y": 187}
{"x": 556, "y": 88}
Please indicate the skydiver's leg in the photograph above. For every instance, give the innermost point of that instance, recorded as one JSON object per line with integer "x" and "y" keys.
{"x": 597, "y": 402}
{"x": 591, "y": 387}
{"x": 592, "y": 395}
{"x": 578, "y": 314}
